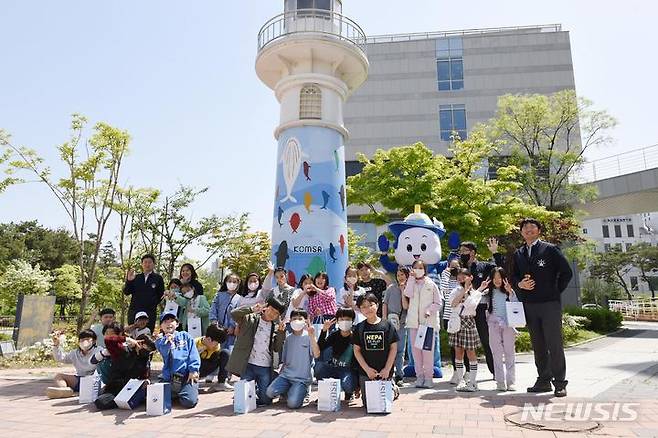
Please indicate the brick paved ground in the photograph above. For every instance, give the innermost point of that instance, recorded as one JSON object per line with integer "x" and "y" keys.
{"x": 621, "y": 368}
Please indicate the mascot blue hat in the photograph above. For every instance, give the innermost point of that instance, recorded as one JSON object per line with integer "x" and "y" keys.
{"x": 415, "y": 220}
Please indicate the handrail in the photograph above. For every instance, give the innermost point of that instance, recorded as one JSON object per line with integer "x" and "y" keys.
{"x": 442, "y": 34}
{"x": 311, "y": 21}
{"x": 632, "y": 161}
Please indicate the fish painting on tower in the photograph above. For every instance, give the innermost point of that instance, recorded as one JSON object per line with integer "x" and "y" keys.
{"x": 309, "y": 231}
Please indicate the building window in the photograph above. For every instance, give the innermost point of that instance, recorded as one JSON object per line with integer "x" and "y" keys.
{"x": 629, "y": 229}
{"x": 606, "y": 247}
{"x": 584, "y": 230}
{"x": 353, "y": 168}
{"x": 618, "y": 247}
{"x": 495, "y": 163}
{"x": 310, "y": 102}
{"x": 452, "y": 118}
{"x": 617, "y": 230}
{"x": 634, "y": 283}
{"x": 449, "y": 63}
{"x": 606, "y": 231}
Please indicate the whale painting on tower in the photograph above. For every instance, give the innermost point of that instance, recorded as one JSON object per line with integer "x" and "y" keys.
{"x": 310, "y": 222}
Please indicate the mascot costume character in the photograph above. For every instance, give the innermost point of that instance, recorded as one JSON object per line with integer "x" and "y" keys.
{"x": 418, "y": 238}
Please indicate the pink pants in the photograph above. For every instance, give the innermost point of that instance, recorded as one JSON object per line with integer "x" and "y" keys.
{"x": 501, "y": 341}
{"x": 423, "y": 359}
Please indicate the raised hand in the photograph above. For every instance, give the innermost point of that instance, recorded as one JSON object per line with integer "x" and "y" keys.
{"x": 270, "y": 267}
{"x": 327, "y": 324}
{"x": 130, "y": 276}
{"x": 484, "y": 284}
{"x": 310, "y": 329}
{"x": 508, "y": 286}
{"x": 492, "y": 244}
{"x": 281, "y": 326}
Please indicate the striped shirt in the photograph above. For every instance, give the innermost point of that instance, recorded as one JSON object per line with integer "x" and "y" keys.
{"x": 446, "y": 286}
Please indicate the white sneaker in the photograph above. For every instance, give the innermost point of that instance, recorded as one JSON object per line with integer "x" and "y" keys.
{"x": 209, "y": 379}
{"x": 511, "y": 387}
{"x": 221, "y": 387}
{"x": 467, "y": 377}
{"x": 500, "y": 386}
{"x": 420, "y": 382}
{"x": 428, "y": 383}
{"x": 469, "y": 387}
{"x": 457, "y": 377}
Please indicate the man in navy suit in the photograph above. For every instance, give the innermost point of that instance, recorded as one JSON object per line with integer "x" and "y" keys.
{"x": 146, "y": 290}
{"x": 540, "y": 274}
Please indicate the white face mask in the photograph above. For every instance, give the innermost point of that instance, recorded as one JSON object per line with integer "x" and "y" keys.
{"x": 297, "y": 324}
{"x": 351, "y": 281}
{"x": 231, "y": 285}
{"x": 419, "y": 273}
{"x": 252, "y": 286}
{"x": 345, "y": 326}
{"x": 86, "y": 344}
{"x": 189, "y": 294}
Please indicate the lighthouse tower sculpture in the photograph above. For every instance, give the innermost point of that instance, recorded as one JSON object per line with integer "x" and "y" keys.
{"x": 313, "y": 57}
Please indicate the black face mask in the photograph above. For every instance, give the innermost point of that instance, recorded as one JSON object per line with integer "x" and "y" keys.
{"x": 464, "y": 259}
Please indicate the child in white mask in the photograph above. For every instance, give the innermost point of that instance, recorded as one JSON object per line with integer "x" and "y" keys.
{"x": 66, "y": 385}
{"x": 252, "y": 291}
{"x": 347, "y": 295}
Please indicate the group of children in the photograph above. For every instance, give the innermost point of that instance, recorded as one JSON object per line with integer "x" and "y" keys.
{"x": 282, "y": 337}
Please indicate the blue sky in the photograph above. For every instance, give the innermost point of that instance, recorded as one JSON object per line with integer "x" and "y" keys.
{"x": 179, "y": 76}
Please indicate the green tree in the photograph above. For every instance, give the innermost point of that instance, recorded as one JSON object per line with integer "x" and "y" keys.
{"x": 596, "y": 291}
{"x": 20, "y": 277}
{"x": 66, "y": 284}
{"x": 612, "y": 267}
{"x": 34, "y": 243}
{"x": 452, "y": 190}
{"x": 645, "y": 258}
{"x": 86, "y": 191}
{"x": 247, "y": 253}
{"x": 356, "y": 252}
{"x": 547, "y": 137}
{"x": 108, "y": 291}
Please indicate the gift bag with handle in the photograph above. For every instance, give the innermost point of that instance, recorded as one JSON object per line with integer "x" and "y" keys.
{"x": 244, "y": 396}
{"x": 379, "y": 396}
{"x": 90, "y": 388}
{"x": 194, "y": 326}
{"x": 171, "y": 306}
{"x": 424, "y": 338}
{"x": 329, "y": 395}
{"x": 132, "y": 394}
{"x": 158, "y": 399}
{"x": 515, "y": 314}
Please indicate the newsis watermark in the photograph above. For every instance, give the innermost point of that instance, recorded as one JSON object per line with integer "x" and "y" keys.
{"x": 580, "y": 411}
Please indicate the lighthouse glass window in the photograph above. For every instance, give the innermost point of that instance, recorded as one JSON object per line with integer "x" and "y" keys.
{"x": 310, "y": 102}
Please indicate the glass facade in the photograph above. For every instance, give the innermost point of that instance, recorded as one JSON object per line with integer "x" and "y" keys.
{"x": 452, "y": 118}
{"x": 449, "y": 63}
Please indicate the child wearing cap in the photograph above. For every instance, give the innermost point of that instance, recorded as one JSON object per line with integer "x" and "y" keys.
{"x": 67, "y": 384}
{"x": 299, "y": 350}
{"x": 181, "y": 361}
{"x": 140, "y": 326}
{"x": 214, "y": 357}
{"x": 257, "y": 340}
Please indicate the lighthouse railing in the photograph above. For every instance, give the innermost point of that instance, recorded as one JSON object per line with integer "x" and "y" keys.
{"x": 311, "y": 21}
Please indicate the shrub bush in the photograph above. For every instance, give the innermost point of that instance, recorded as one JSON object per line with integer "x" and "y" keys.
{"x": 599, "y": 320}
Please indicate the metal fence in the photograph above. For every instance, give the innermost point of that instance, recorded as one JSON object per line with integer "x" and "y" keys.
{"x": 644, "y": 309}
{"x": 456, "y": 33}
{"x": 635, "y": 160}
{"x": 312, "y": 21}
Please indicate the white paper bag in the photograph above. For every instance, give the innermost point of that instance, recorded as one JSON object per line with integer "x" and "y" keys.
{"x": 329, "y": 395}
{"x": 132, "y": 394}
{"x": 515, "y": 314}
{"x": 244, "y": 396}
{"x": 158, "y": 399}
{"x": 171, "y": 306}
{"x": 424, "y": 338}
{"x": 194, "y": 326}
{"x": 379, "y": 396}
{"x": 90, "y": 388}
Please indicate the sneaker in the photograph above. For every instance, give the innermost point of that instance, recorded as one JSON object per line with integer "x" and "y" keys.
{"x": 428, "y": 383}
{"x": 396, "y": 392}
{"x": 511, "y": 387}
{"x": 420, "y": 382}
{"x": 209, "y": 379}
{"x": 467, "y": 376}
{"x": 221, "y": 387}
{"x": 59, "y": 392}
{"x": 457, "y": 377}
{"x": 399, "y": 380}
{"x": 468, "y": 387}
{"x": 500, "y": 386}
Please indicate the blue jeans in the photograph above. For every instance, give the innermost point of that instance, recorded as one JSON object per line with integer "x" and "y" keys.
{"x": 399, "y": 357}
{"x": 295, "y": 391}
{"x": 348, "y": 377}
{"x": 263, "y": 378}
{"x": 188, "y": 396}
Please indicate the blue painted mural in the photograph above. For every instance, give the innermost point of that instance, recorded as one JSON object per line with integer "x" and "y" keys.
{"x": 309, "y": 232}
